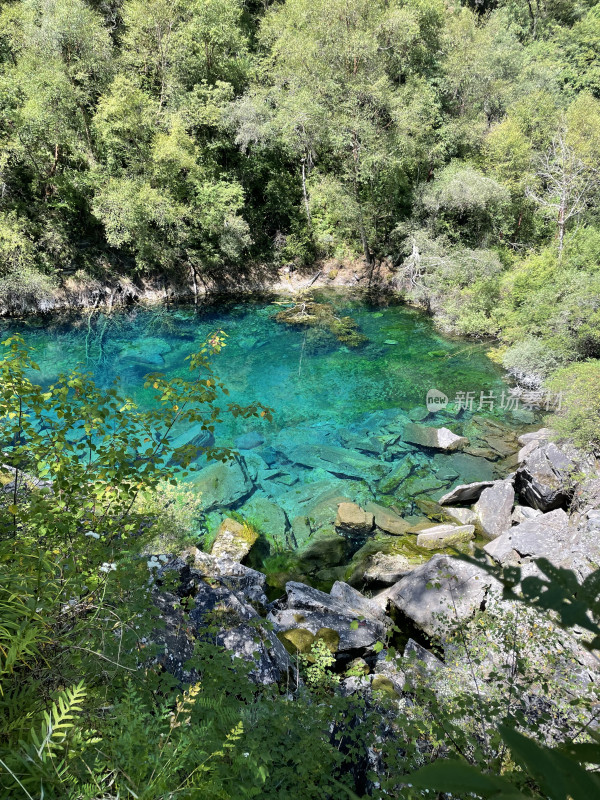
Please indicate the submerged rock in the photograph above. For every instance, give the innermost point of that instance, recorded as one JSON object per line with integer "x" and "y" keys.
{"x": 386, "y": 520}
{"x": 267, "y": 518}
{"x": 223, "y": 485}
{"x": 338, "y": 461}
{"x": 436, "y": 438}
{"x": 397, "y": 475}
{"x": 250, "y": 440}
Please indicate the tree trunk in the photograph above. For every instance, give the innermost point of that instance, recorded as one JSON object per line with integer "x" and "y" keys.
{"x": 305, "y": 193}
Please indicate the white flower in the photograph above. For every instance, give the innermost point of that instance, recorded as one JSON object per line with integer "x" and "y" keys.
{"x": 93, "y": 535}
{"x": 108, "y": 566}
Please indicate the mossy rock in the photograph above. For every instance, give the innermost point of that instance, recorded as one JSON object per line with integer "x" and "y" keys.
{"x": 297, "y": 640}
{"x": 331, "y": 638}
{"x": 384, "y": 685}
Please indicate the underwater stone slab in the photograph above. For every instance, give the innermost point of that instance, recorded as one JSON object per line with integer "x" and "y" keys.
{"x": 250, "y": 440}
{"x": 397, "y": 475}
{"x": 222, "y": 485}
{"x": 436, "y": 438}
{"x": 338, "y": 461}
{"x": 445, "y": 536}
{"x": 267, "y": 517}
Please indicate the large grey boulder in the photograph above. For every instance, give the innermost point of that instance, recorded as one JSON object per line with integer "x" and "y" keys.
{"x": 239, "y": 628}
{"x": 546, "y": 536}
{"x": 494, "y": 509}
{"x": 225, "y": 571}
{"x": 545, "y": 480}
{"x": 465, "y": 493}
{"x": 435, "y": 438}
{"x": 440, "y": 593}
{"x": 356, "y": 622}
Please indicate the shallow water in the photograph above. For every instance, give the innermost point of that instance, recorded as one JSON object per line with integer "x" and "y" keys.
{"x": 323, "y": 393}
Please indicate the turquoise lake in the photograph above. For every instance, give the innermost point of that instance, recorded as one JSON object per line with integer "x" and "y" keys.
{"x": 324, "y": 395}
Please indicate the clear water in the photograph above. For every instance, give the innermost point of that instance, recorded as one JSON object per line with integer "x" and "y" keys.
{"x": 320, "y": 391}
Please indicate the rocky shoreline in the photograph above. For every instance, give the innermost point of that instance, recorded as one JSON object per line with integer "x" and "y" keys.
{"x": 83, "y": 293}
{"x": 548, "y": 507}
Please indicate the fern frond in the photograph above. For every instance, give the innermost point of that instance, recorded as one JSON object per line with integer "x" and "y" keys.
{"x": 58, "y": 721}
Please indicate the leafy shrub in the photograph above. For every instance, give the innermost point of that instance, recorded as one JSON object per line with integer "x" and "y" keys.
{"x": 579, "y": 418}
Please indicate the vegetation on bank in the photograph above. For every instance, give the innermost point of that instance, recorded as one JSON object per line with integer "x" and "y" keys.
{"x": 87, "y": 714}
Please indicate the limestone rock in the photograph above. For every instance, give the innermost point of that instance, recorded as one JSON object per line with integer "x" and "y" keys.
{"x": 436, "y": 438}
{"x": 358, "y": 622}
{"x": 545, "y": 480}
{"x": 548, "y": 535}
{"x": 465, "y": 493}
{"x": 439, "y": 593}
{"x": 229, "y": 610}
{"x": 441, "y": 536}
{"x": 464, "y": 516}
{"x": 385, "y": 569}
{"x": 226, "y": 572}
{"x": 542, "y": 435}
{"x": 523, "y": 513}
{"x": 234, "y": 540}
{"x": 386, "y": 520}
{"x": 494, "y": 509}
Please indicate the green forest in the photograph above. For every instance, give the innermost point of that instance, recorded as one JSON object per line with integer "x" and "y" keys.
{"x": 457, "y": 140}
{"x": 211, "y": 144}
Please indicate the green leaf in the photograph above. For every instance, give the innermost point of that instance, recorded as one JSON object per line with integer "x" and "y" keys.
{"x": 559, "y": 776}
{"x": 452, "y": 775}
